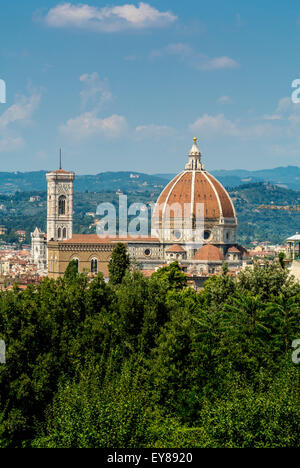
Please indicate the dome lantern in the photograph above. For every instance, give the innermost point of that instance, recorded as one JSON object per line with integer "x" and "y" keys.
{"x": 194, "y": 162}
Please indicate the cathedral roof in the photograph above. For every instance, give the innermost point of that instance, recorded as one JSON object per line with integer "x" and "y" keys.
{"x": 176, "y": 248}
{"x": 234, "y": 250}
{"x": 198, "y": 189}
{"x": 95, "y": 239}
{"x": 209, "y": 253}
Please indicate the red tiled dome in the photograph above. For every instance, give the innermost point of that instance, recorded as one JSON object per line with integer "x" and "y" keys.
{"x": 192, "y": 187}
{"x": 234, "y": 250}
{"x": 210, "y": 253}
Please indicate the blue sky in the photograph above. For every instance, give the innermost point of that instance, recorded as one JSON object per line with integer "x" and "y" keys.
{"x": 126, "y": 85}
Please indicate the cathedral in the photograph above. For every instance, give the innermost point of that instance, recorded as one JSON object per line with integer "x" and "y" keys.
{"x": 194, "y": 222}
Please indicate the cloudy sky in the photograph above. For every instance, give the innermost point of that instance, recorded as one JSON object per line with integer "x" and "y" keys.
{"x": 126, "y": 85}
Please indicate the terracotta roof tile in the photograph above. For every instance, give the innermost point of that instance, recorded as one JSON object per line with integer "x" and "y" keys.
{"x": 175, "y": 248}
{"x": 194, "y": 187}
{"x": 209, "y": 253}
{"x": 234, "y": 250}
{"x": 95, "y": 239}
{"x": 61, "y": 171}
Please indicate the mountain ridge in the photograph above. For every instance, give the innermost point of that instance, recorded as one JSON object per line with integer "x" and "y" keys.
{"x": 283, "y": 176}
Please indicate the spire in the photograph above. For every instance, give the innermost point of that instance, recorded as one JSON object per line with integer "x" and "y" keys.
{"x": 194, "y": 162}
{"x": 60, "y": 167}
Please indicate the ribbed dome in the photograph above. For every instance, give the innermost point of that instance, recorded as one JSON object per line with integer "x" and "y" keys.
{"x": 209, "y": 253}
{"x": 192, "y": 187}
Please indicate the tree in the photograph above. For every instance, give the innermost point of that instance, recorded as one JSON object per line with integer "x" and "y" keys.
{"x": 151, "y": 362}
{"x": 172, "y": 275}
{"x": 281, "y": 257}
{"x": 118, "y": 264}
{"x": 284, "y": 317}
{"x": 71, "y": 272}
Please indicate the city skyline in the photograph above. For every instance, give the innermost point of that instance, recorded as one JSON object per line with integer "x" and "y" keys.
{"x": 126, "y": 85}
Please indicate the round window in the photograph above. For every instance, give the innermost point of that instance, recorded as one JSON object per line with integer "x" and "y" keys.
{"x": 207, "y": 235}
{"x": 147, "y": 252}
{"x": 177, "y": 234}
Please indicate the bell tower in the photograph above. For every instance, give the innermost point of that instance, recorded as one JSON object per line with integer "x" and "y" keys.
{"x": 60, "y": 204}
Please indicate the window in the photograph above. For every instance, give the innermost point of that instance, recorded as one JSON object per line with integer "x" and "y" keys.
{"x": 64, "y": 233}
{"x": 177, "y": 234}
{"x": 207, "y": 235}
{"x": 147, "y": 252}
{"x": 62, "y": 205}
{"x": 59, "y": 233}
{"x": 94, "y": 266}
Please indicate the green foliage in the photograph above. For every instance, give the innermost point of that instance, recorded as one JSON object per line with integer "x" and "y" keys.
{"x": 118, "y": 264}
{"x": 151, "y": 363}
{"x": 172, "y": 276}
{"x": 281, "y": 257}
{"x": 254, "y": 224}
{"x": 98, "y": 414}
{"x": 71, "y": 272}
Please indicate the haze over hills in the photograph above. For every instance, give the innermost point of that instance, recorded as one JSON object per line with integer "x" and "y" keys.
{"x": 18, "y": 212}
{"x": 10, "y": 182}
{"x": 287, "y": 177}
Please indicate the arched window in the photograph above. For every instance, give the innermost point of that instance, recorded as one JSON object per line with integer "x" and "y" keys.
{"x": 64, "y": 233}
{"x": 94, "y": 266}
{"x": 62, "y": 205}
{"x": 59, "y": 233}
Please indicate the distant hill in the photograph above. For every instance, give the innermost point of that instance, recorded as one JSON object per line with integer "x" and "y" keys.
{"x": 11, "y": 182}
{"x": 17, "y": 211}
{"x": 287, "y": 177}
{"x": 263, "y": 224}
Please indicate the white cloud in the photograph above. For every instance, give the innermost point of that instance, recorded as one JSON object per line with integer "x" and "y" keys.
{"x": 130, "y": 58}
{"x": 179, "y": 49}
{"x": 88, "y": 124}
{"x": 284, "y": 104}
{"x": 21, "y": 111}
{"x": 10, "y": 143}
{"x": 289, "y": 113}
{"x": 272, "y": 117}
{"x": 187, "y": 54}
{"x": 211, "y": 125}
{"x": 218, "y": 63}
{"x": 153, "y": 131}
{"x": 96, "y": 91}
{"x": 215, "y": 125}
{"x": 108, "y": 19}
{"x": 18, "y": 114}
{"x": 224, "y": 100}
